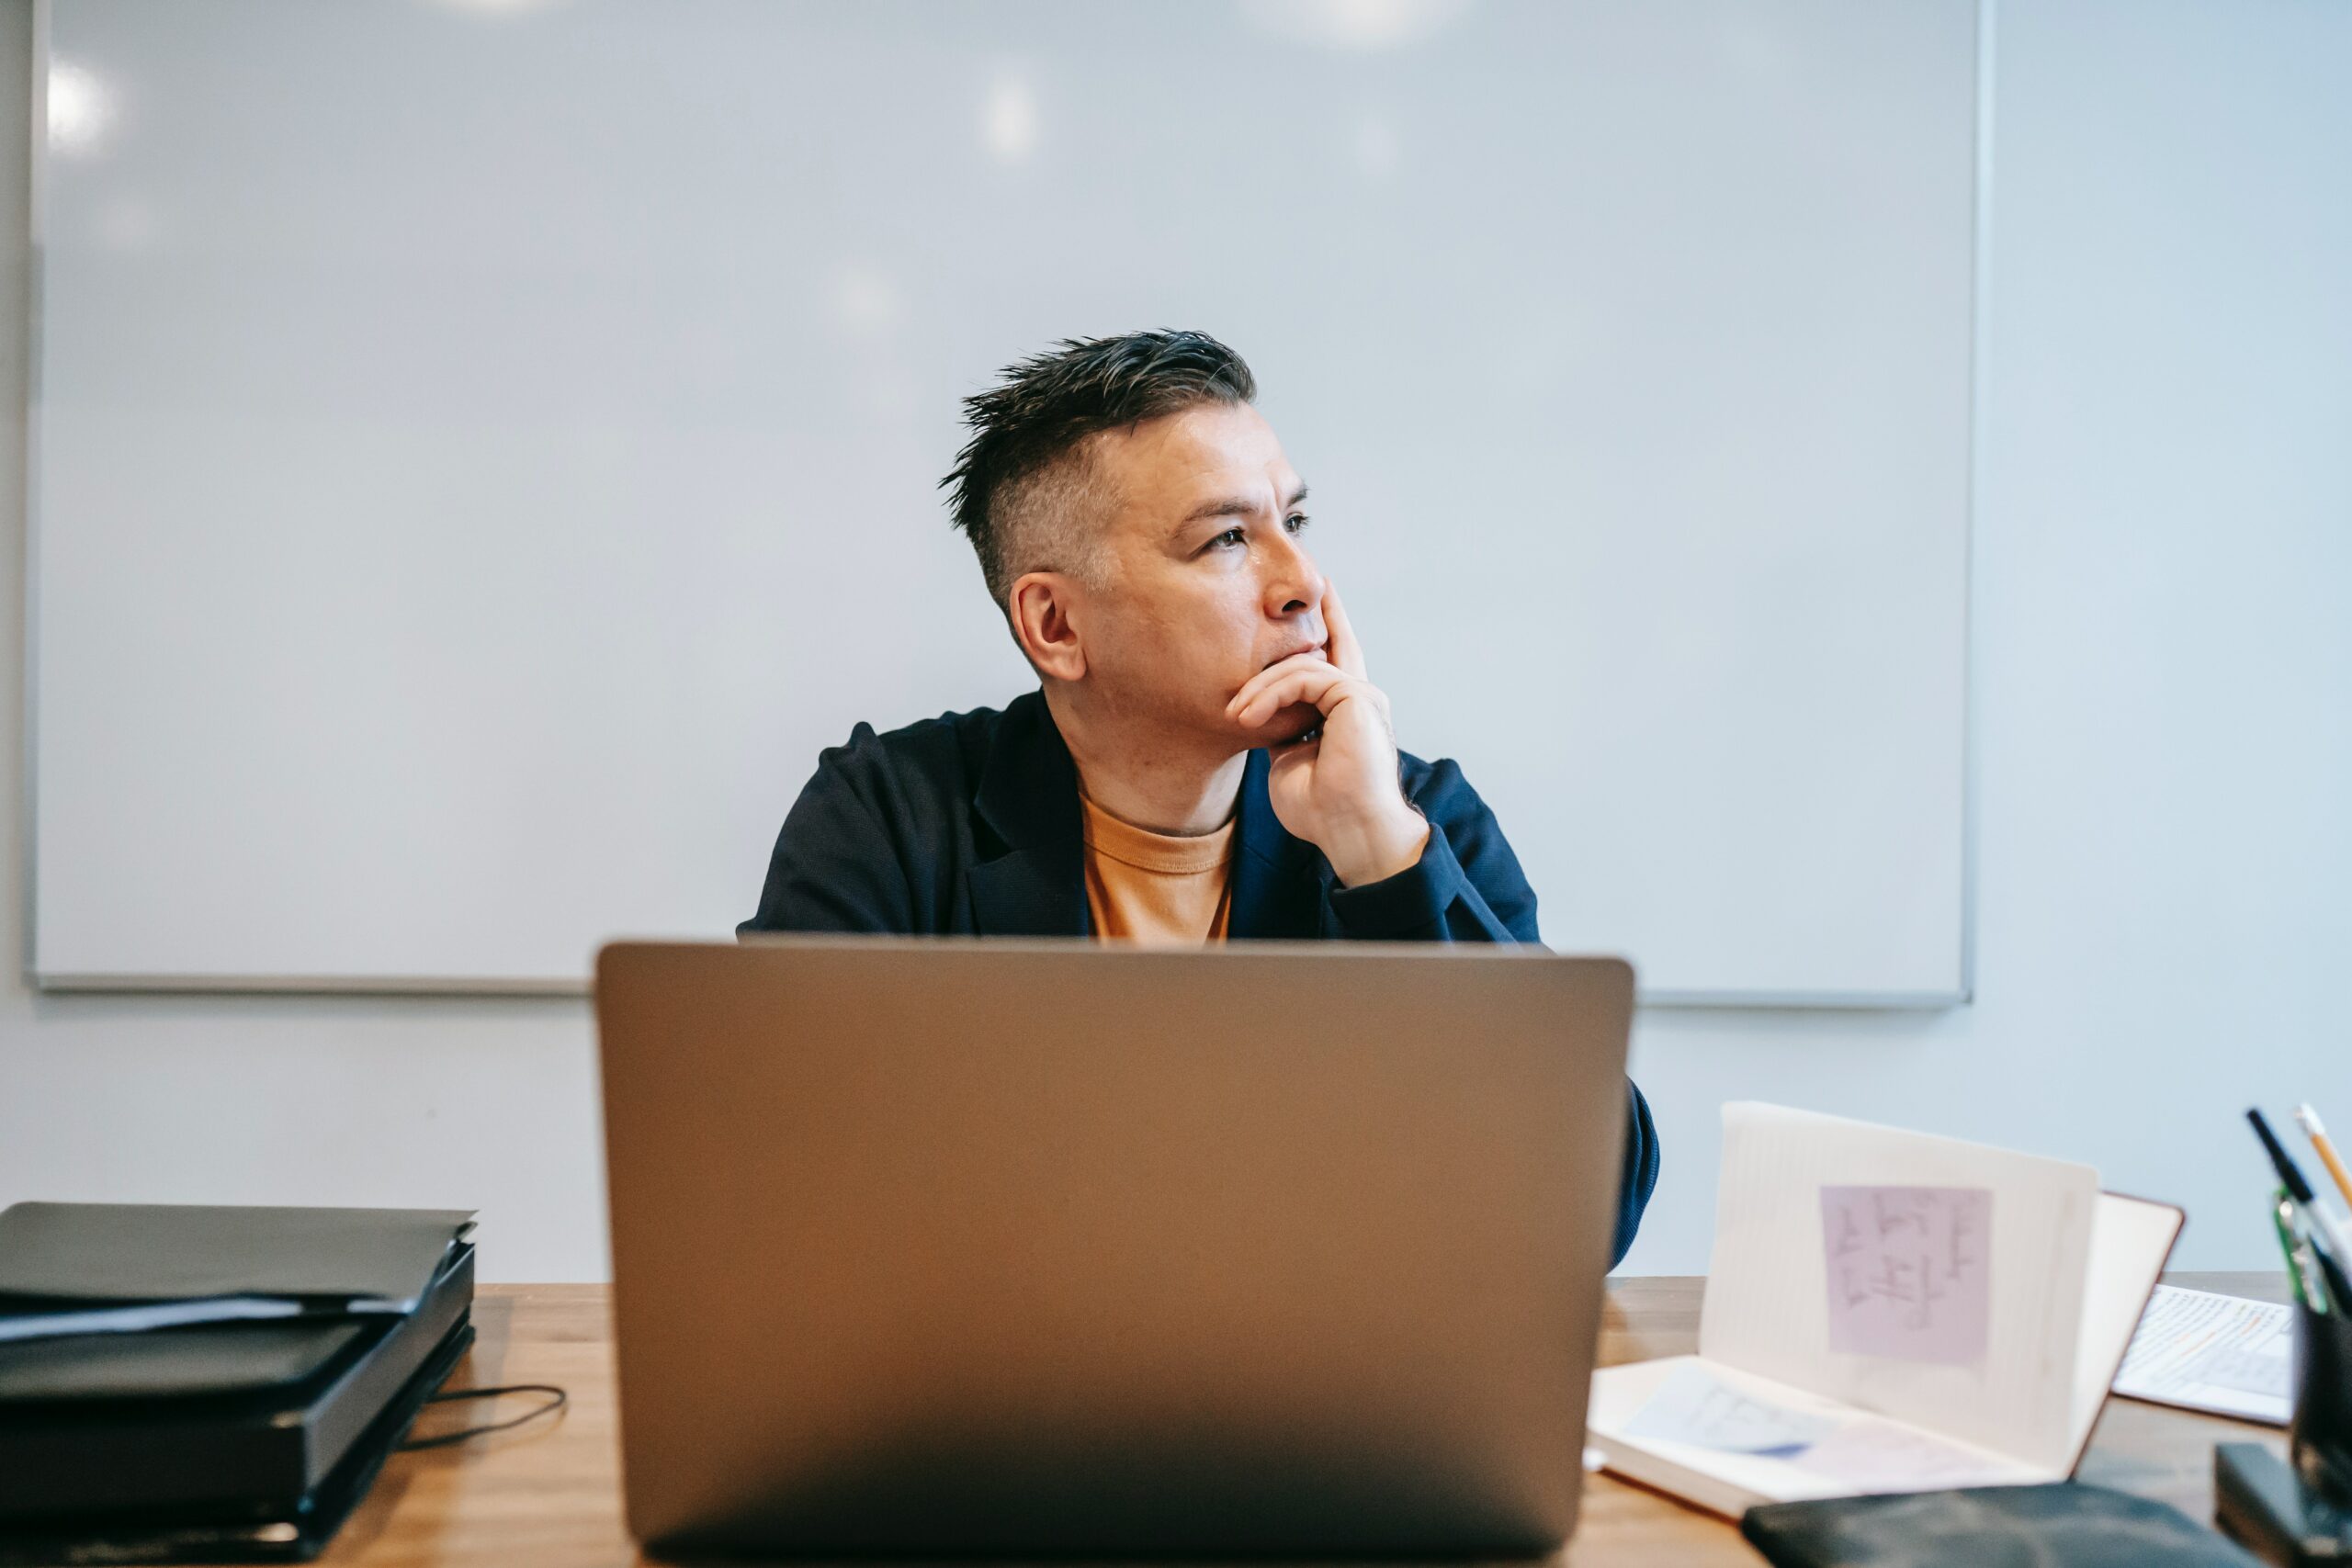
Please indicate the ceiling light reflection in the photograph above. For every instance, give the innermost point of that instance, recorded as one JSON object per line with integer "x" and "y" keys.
{"x": 1352, "y": 24}
{"x": 80, "y": 109}
{"x": 1009, "y": 119}
{"x": 498, "y": 7}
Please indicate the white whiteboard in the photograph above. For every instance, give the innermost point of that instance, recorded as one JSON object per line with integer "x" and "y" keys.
{"x": 485, "y": 450}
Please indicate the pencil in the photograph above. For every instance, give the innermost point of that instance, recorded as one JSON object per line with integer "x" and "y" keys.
{"x": 2309, "y": 1120}
{"x": 2329, "y": 1243}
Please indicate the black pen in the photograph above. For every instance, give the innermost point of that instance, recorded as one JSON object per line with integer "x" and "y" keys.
{"x": 2320, "y": 1231}
{"x": 2290, "y": 1172}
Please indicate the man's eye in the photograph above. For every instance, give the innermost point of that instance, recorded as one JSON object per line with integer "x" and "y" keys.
{"x": 1231, "y": 537}
{"x": 1296, "y": 521}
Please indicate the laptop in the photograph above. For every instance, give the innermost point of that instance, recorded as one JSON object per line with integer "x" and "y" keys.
{"x": 951, "y": 1247}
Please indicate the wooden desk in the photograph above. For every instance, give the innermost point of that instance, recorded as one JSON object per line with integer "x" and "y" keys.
{"x": 549, "y": 1496}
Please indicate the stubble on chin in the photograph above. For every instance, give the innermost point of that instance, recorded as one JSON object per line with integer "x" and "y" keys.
{"x": 1288, "y": 723}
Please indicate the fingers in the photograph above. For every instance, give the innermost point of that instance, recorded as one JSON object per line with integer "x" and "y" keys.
{"x": 1244, "y": 701}
{"x": 1346, "y": 651}
{"x": 1302, "y": 678}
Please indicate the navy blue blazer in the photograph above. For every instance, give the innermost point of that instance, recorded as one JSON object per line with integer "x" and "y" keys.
{"x": 969, "y": 825}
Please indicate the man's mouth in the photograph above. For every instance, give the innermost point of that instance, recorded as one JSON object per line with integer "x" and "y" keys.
{"x": 1316, "y": 648}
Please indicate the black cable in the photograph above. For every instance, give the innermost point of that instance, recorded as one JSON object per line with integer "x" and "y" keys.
{"x": 442, "y": 1439}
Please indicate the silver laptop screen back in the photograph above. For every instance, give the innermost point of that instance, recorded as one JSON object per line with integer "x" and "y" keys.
{"x": 955, "y": 1247}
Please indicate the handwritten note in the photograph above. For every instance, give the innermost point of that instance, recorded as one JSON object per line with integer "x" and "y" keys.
{"x": 1910, "y": 1272}
{"x": 1692, "y": 1407}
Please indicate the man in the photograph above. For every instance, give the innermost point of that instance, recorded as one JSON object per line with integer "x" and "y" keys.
{"x": 1206, "y": 759}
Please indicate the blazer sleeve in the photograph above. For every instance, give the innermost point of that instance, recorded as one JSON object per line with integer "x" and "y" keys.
{"x": 836, "y": 867}
{"x": 1468, "y": 888}
{"x": 1640, "y": 1176}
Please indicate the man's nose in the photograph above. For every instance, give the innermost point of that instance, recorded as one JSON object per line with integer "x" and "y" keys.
{"x": 1293, "y": 585}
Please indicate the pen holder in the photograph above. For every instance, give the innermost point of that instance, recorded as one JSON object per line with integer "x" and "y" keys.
{"x": 2319, "y": 1437}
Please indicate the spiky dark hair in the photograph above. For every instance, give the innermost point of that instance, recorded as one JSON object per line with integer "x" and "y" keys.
{"x": 1042, "y": 407}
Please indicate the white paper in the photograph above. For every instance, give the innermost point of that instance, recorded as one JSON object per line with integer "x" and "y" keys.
{"x": 1871, "y": 1455}
{"x": 1767, "y": 1309}
{"x": 2211, "y": 1352}
{"x": 2066, "y": 1270}
{"x": 2130, "y": 1238}
{"x": 1692, "y": 1406}
{"x": 144, "y": 1316}
{"x": 1858, "y": 1452}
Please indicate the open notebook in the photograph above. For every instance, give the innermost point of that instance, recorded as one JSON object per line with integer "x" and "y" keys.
{"x": 1887, "y": 1312}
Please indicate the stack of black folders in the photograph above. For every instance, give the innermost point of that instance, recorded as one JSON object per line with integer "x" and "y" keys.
{"x": 190, "y": 1385}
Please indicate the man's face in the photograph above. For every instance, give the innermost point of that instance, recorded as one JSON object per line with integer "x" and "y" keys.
{"x": 1205, "y": 579}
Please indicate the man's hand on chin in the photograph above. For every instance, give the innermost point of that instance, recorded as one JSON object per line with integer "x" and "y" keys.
{"x": 1337, "y": 785}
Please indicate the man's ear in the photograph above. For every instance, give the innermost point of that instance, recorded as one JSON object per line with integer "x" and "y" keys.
{"x": 1039, "y": 606}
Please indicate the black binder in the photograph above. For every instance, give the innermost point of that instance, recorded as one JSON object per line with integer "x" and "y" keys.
{"x": 294, "y": 1529}
{"x": 84, "y": 1268}
{"x": 224, "y": 1416}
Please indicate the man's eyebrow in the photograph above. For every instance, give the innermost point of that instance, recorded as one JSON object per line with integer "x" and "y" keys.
{"x": 1224, "y": 506}
{"x": 1237, "y": 505}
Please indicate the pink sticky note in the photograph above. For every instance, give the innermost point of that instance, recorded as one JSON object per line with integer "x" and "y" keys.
{"x": 1910, "y": 1272}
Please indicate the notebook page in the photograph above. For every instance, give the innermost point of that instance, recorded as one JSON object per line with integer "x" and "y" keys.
{"x": 2130, "y": 1238}
{"x": 2010, "y": 1235}
{"x": 1842, "y": 1451}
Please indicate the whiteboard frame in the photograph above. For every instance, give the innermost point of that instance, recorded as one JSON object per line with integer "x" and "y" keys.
{"x": 36, "y": 253}
{"x": 67, "y": 983}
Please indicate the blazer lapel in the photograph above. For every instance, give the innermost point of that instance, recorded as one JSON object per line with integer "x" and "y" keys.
{"x": 1036, "y": 884}
{"x": 1028, "y": 799}
{"x": 1278, "y": 880}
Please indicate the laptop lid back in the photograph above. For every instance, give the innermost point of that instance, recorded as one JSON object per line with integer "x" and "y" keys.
{"x": 1045, "y": 1248}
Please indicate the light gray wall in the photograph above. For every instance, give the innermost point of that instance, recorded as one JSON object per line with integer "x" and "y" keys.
{"x": 2164, "y": 688}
